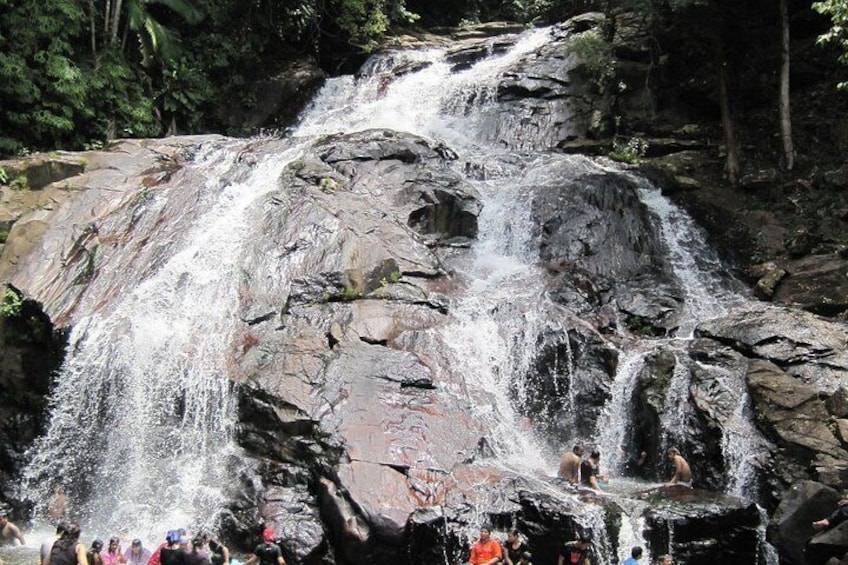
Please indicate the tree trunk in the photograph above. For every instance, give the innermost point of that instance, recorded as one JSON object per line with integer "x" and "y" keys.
{"x": 92, "y": 20}
{"x": 731, "y": 165}
{"x": 116, "y": 20}
{"x": 785, "y": 114}
{"x": 107, "y": 19}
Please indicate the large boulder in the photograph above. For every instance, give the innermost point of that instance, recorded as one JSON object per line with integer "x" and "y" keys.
{"x": 801, "y": 504}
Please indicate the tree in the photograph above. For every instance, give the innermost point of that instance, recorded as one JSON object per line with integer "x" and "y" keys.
{"x": 785, "y": 114}
{"x": 43, "y": 92}
{"x": 838, "y": 33}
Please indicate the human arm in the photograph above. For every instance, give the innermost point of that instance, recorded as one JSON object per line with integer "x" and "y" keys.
{"x": 593, "y": 482}
{"x": 252, "y": 559}
{"x": 16, "y": 533}
{"x": 82, "y": 557}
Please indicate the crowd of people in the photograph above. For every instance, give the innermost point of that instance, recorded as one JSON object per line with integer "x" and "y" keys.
{"x": 587, "y": 472}
{"x": 487, "y": 550}
{"x": 178, "y": 548}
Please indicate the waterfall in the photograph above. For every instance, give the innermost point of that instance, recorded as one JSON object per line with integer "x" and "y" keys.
{"x": 142, "y": 416}
{"x": 694, "y": 264}
{"x": 614, "y": 427}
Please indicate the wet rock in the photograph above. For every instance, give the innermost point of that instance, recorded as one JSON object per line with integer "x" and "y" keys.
{"x": 710, "y": 525}
{"x": 30, "y": 353}
{"x": 801, "y": 504}
{"x": 795, "y": 416}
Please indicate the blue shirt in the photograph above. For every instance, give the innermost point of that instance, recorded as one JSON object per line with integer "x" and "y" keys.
{"x": 630, "y": 561}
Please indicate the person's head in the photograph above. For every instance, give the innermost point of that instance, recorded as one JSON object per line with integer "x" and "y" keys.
{"x": 512, "y": 535}
{"x": 61, "y": 527}
{"x": 197, "y": 544}
{"x": 672, "y": 453}
{"x": 183, "y": 541}
{"x": 269, "y": 535}
{"x": 172, "y": 537}
{"x": 97, "y": 545}
{"x": 595, "y": 456}
{"x": 484, "y": 533}
{"x": 636, "y": 552}
{"x": 665, "y": 560}
{"x": 3, "y": 520}
{"x": 584, "y": 542}
{"x": 72, "y": 531}
{"x": 136, "y": 546}
{"x": 579, "y": 450}
{"x": 114, "y": 543}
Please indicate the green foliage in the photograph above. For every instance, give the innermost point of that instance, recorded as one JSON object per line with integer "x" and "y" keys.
{"x": 185, "y": 90}
{"x": 631, "y": 151}
{"x": 155, "y": 39}
{"x": 366, "y": 21}
{"x": 4, "y": 235}
{"x": 42, "y": 91}
{"x": 596, "y": 58}
{"x": 4, "y": 178}
{"x": 12, "y": 304}
{"x": 838, "y": 33}
{"x": 19, "y": 183}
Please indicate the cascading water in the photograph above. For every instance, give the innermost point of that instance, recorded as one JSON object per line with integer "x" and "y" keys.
{"x": 142, "y": 415}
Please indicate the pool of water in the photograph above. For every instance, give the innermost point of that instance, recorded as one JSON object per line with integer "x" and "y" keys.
{"x": 21, "y": 555}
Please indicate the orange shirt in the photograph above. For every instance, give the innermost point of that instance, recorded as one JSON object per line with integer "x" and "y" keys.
{"x": 481, "y": 552}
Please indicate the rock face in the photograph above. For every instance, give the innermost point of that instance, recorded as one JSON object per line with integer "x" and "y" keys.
{"x": 360, "y": 439}
{"x": 31, "y": 351}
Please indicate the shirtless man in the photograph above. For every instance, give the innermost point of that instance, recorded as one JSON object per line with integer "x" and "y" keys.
{"x": 682, "y": 473}
{"x": 10, "y": 532}
{"x": 569, "y": 465}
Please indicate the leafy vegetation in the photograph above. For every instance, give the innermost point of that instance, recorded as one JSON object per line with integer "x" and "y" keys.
{"x": 76, "y": 73}
{"x": 12, "y": 304}
{"x": 630, "y": 151}
{"x": 838, "y": 33}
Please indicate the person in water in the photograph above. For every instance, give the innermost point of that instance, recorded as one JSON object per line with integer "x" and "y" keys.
{"x": 95, "y": 555}
{"x": 68, "y": 550}
{"x": 682, "y": 472}
{"x": 113, "y": 555}
{"x": 590, "y": 474}
{"x": 47, "y": 545}
{"x": 635, "y": 556}
{"x": 220, "y": 552}
{"x": 485, "y": 551}
{"x": 136, "y": 553}
{"x": 665, "y": 560}
{"x": 173, "y": 553}
{"x": 58, "y": 508}
{"x": 837, "y": 517}
{"x": 514, "y": 547}
{"x": 634, "y": 465}
{"x": 9, "y": 532}
{"x": 267, "y": 552}
{"x": 569, "y": 466}
{"x": 575, "y": 552}
{"x": 197, "y": 556}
